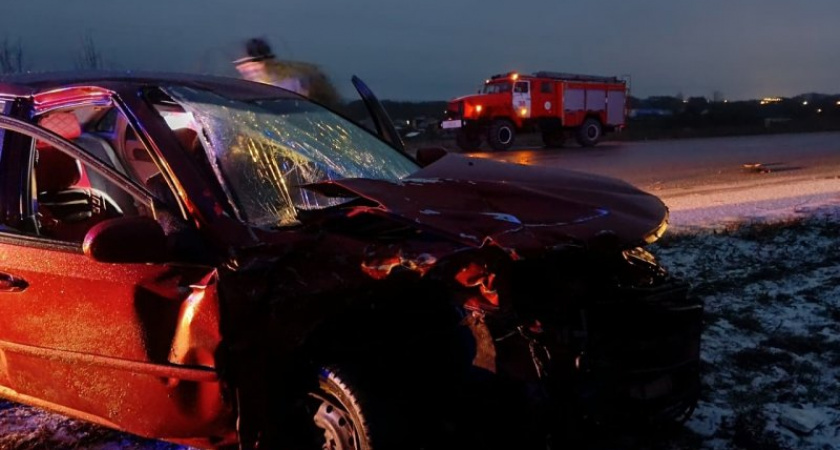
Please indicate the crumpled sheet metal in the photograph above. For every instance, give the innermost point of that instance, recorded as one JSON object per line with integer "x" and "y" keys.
{"x": 197, "y": 334}
{"x": 523, "y": 210}
{"x": 379, "y": 263}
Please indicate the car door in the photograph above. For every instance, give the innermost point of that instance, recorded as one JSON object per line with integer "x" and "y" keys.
{"x": 384, "y": 125}
{"x": 124, "y": 344}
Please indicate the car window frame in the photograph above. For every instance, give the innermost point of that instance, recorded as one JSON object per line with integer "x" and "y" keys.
{"x": 34, "y": 133}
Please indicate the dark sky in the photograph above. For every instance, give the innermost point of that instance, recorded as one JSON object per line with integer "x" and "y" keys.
{"x": 437, "y": 49}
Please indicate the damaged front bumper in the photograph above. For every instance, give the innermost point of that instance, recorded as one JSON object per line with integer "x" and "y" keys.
{"x": 641, "y": 356}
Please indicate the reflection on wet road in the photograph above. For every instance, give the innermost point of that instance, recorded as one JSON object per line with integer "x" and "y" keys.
{"x": 668, "y": 164}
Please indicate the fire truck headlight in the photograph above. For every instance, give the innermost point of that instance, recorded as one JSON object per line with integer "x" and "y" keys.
{"x": 478, "y": 109}
{"x": 523, "y": 112}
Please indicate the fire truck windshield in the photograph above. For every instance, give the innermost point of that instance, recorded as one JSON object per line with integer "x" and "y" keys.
{"x": 497, "y": 88}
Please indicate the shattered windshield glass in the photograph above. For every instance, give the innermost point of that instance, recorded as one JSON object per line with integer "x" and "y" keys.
{"x": 263, "y": 151}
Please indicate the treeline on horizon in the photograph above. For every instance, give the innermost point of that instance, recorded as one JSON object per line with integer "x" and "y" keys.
{"x": 732, "y": 112}
{"x": 675, "y": 116}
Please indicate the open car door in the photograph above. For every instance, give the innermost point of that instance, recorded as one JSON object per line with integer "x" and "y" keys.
{"x": 384, "y": 125}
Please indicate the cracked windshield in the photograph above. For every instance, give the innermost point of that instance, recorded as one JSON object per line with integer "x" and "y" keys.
{"x": 265, "y": 152}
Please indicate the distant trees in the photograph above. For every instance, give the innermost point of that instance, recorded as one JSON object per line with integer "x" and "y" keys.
{"x": 11, "y": 56}
{"x": 89, "y": 57}
{"x": 13, "y": 60}
{"x": 671, "y": 116}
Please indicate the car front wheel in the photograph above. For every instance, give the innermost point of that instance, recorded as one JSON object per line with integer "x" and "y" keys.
{"x": 339, "y": 413}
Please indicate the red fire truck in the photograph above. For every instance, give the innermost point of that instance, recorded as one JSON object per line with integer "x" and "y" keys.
{"x": 556, "y": 104}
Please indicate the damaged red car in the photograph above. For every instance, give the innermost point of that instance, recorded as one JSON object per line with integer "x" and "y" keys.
{"x": 222, "y": 263}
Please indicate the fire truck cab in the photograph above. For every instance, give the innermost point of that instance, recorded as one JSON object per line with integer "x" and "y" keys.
{"x": 555, "y": 104}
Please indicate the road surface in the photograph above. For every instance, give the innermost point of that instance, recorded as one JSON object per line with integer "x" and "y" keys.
{"x": 715, "y": 179}
{"x": 689, "y": 162}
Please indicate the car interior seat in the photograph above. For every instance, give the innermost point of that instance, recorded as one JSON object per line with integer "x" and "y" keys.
{"x": 66, "y": 209}
{"x": 101, "y": 149}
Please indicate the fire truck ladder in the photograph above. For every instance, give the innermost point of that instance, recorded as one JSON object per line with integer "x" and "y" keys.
{"x": 576, "y": 77}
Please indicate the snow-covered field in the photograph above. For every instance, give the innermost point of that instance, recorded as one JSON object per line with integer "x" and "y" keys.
{"x": 27, "y": 428}
{"x": 771, "y": 344}
{"x": 770, "y": 281}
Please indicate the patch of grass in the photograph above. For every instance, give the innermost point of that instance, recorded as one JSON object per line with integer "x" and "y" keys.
{"x": 833, "y": 313}
{"x": 765, "y": 272}
{"x": 797, "y": 344}
{"x": 741, "y": 398}
{"x": 749, "y": 431}
{"x": 759, "y": 359}
{"x": 763, "y": 231}
{"x": 710, "y": 317}
{"x": 679, "y": 240}
{"x": 745, "y": 320}
{"x": 705, "y": 289}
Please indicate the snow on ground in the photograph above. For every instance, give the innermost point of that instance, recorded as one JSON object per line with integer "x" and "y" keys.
{"x": 771, "y": 344}
{"x": 712, "y": 206}
{"x": 27, "y": 428}
{"x": 766, "y": 262}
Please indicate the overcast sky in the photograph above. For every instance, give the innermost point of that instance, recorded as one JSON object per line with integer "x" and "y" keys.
{"x": 437, "y": 49}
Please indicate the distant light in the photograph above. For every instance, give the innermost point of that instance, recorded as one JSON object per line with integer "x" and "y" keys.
{"x": 838, "y": 102}
{"x": 726, "y": 101}
{"x": 177, "y": 120}
{"x": 685, "y": 101}
{"x": 486, "y": 81}
{"x": 819, "y": 110}
{"x": 805, "y": 102}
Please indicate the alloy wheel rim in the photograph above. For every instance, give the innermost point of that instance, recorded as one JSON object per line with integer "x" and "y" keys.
{"x": 337, "y": 425}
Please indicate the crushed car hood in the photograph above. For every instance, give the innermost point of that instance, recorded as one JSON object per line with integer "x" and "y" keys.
{"x": 519, "y": 208}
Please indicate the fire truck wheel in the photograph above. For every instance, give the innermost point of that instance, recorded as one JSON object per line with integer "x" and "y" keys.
{"x": 554, "y": 138}
{"x": 467, "y": 141}
{"x": 500, "y": 134}
{"x": 589, "y": 133}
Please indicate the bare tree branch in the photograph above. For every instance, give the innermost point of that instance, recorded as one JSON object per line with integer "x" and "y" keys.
{"x": 89, "y": 58}
{"x": 11, "y": 56}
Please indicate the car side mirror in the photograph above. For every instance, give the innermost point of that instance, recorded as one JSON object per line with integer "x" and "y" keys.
{"x": 428, "y": 155}
{"x": 126, "y": 240}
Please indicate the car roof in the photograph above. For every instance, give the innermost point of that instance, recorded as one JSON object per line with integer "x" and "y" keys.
{"x": 30, "y": 83}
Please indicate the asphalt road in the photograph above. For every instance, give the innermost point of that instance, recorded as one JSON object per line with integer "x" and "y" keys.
{"x": 691, "y": 163}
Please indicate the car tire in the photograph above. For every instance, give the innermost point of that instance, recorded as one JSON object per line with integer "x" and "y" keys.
{"x": 468, "y": 141}
{"x": 330, "y": 409}
{"x": 341, "y": 411}
{"x": 589, "y": 132}
{"x": 501, "y": 134}
{"x": 553, "y": 138}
